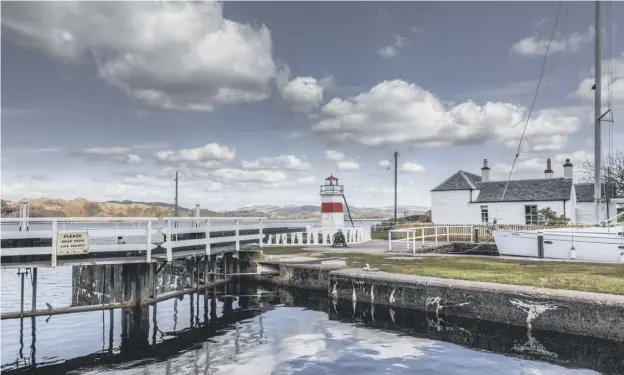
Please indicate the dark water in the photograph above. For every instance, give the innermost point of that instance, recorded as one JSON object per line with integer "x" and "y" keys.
{"x": 253, "y": 329}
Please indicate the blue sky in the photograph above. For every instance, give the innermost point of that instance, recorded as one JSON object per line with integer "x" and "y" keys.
{"x": 257, "y": 102}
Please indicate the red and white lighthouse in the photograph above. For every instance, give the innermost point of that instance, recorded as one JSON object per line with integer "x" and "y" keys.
{"x": 332, "y": 215}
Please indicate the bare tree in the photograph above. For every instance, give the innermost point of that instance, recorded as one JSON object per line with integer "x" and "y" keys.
{"x": 612, "y": 172}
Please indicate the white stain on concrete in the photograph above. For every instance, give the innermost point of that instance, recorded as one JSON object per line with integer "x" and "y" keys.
{"x": 334, "y": 292}
{"x": 353, "y": 296}
{"x": 392, "y": 299}
{"x": 533, "y": 309}
{"x": 372, "y": 294}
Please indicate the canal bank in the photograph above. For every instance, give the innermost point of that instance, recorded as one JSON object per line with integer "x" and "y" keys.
{"x": 574, "y": 312}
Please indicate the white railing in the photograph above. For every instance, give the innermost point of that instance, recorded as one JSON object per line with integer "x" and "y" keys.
{"x": 410, "y": 238}
{"x": 319, "y": 237}
{"x": 137, "y": 234}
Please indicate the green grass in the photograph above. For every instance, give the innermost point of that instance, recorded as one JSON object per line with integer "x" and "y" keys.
{"x": 591, "y": 277}
{"x": 282, "y": 250}
{"x": 380, "y": 235}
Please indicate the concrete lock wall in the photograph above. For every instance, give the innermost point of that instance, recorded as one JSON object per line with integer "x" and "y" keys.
{"x": 589, "y": 314}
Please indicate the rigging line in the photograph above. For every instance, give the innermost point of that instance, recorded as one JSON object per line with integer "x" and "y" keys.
{"x": 539, "y": 84}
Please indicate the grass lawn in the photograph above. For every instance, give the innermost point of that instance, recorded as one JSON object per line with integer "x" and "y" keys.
{"x": 380, "y": 235}
{"x": 282, "y": 250}
{"x": 591, "y": 277}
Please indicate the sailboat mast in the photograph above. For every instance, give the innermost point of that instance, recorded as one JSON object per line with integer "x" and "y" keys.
{"x": 597, "y": 115}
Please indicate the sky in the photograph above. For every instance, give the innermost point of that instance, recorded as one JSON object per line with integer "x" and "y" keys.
{"x": 255, "y": 103}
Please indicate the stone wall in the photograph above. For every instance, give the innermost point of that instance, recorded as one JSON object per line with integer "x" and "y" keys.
{"x": 589, "y": 314}
{"x": 306, "y": 276}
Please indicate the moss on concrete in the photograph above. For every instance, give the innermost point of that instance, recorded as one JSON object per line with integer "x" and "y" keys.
{"x": 591, "y": 277}
{"x": 282, "y": 250}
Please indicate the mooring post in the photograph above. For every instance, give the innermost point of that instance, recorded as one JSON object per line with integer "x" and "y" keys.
{"x": 214, "y": 268}
{"x": 540, "y": 245}
{"x": 22, "y": 274}
{"x": 206, "y": 270}
{"x": 33, "y": 306}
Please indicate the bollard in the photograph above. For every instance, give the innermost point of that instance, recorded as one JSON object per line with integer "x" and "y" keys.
{"x": 572, "y": 252}
{"x": 476, "y": 234}
{"x": 540, "y": 245}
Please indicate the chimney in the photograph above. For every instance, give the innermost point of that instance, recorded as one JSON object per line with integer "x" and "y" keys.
{"x": 548, "y": 173}
{"x": 568, "y": 169}
{"x": 485, "y": 172}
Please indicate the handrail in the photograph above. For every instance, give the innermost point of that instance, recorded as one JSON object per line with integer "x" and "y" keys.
{"x": 411, "y": 235}
{"x": 122, "y": 219}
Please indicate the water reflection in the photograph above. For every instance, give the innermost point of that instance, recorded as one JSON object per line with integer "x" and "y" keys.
{"x": 265, "y": 330}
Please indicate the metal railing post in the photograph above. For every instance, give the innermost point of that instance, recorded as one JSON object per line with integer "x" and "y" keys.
{"x": 471, "y": 234}
{"x": 149, "y": 241}
{"x": 436, "y": 235}
{"x": 448, "y": 234}
{"x": 414, "y": 243}
{"x": 422, "y": 236}
{"x": 237, "y": 234}
{"x": 169, "y": 239}
{"x": 54, "y": 236}
{"x": 389, "y": 240}
{"x": 208, "y": 240}
{"x": 261, "y": 232}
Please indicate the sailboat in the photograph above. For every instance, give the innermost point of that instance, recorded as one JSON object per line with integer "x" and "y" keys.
{"x": 602, "y": 243}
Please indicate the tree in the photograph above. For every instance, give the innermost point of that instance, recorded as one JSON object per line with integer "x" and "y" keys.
{"x": 612, "y": 172}
{"x": 548, "y": 217}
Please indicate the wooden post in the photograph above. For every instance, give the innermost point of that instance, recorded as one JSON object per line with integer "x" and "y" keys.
{"x": 33, "y": 306}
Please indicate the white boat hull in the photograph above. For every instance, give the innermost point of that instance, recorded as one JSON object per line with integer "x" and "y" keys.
{"x": 590, "y": 244}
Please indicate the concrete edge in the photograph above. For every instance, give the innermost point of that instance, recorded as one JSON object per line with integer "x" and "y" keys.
{"x": 484, "y": 286}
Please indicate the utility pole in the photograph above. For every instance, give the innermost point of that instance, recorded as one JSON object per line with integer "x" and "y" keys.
{"x": 597, "y": 116}
{"x": 176, "y": 196}
{"x": 396, "y": 168}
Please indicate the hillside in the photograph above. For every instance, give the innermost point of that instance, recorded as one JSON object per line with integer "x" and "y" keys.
{"x": 49, "y": 207}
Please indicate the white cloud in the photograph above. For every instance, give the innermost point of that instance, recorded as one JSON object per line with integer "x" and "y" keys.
{"x": 122, "y": 155}
{"x": 534, "y": 167}
{"x": 397, "y": 112}
{"x": 535, "y": 46}
{"x": 393, "y": 49}
{"x": 347, "y": 165}
{"x": 289, "y": 162}
{"x": 228, "y": 175}
{"x": 301, "y": 94}
{"x": 412, "y": 167}
{"x": 334, "y": 155}
{"x": 585, "y": 92}
{"x": 171, "y": 55}
{"x": 384, "y": 163}
{"x": 208, "y": 156}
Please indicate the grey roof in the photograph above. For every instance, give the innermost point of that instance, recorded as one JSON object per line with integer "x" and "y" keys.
{"x": 460, "y": 180}
{"x": 544, "y": 189}
{"x": 585, "y": 192}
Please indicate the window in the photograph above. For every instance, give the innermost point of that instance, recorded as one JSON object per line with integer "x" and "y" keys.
{"x": 530, "y": 214}
{"x": 484, "y": 214}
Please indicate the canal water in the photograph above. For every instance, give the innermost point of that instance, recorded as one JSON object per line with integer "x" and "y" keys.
{"x": 256, "y": 329}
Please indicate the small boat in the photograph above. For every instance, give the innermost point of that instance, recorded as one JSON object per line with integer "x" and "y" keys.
{"x": 602, "y": 243}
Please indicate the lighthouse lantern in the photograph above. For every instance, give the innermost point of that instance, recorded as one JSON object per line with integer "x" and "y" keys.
{"x": 332, "y": 215}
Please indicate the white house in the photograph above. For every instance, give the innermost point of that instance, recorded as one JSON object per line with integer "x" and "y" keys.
{"x": 467, "y": 198}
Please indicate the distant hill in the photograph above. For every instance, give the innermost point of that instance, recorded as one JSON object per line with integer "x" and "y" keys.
{"x": 50, "y": 207}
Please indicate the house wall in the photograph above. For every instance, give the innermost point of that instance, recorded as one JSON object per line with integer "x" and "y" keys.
{"x": 570, "y": 207}
{"x": 454, "y": 207}
{"x": 513, "y": 212}
{"x": 586, "y": 213}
